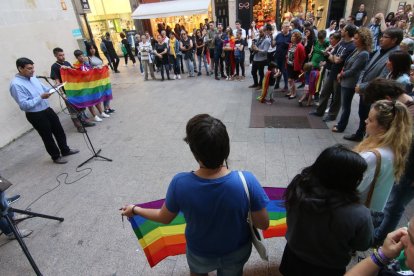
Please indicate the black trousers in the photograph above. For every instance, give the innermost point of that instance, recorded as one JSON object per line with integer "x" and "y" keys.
{"x": 218, "y": 64}
{"x": 47, "y": 124}
{"x": 115, "y": 60}
{"x": 258, "y": 66}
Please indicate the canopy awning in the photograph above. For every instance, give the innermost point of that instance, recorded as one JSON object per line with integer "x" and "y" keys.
{"x": 171, "y": 8}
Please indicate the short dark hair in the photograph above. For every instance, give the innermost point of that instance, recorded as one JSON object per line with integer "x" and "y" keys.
{"x": 237, "y": 21}
{"x": 208, "y": 140}
{"x": 380, "y": 88}
{"x": 352, "y": 17}
{"x": 122, "y": 35}
{"x": 77, "y": 53}
{"x": 395, "y": 33}
{"x": 57, "y": 50}
{"x": 336, "y": 35}
{"x": 332, "y": 179}
{"x": 351, "y": 29}
{"x": 22, "y": 62}
{"x": 322, "y": 34}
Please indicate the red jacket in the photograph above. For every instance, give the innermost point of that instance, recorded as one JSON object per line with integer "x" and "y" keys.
{"x": 298, "y": 57}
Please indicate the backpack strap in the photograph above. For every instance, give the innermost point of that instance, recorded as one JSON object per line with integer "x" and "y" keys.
{"x": 374, "y": 180}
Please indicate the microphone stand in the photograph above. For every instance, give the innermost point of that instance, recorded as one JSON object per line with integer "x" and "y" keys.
{"x": 79, "y": 116}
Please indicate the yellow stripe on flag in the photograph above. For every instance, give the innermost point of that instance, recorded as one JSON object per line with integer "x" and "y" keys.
{"x": 83, "y": 85}
{"x": 161, "y": 232}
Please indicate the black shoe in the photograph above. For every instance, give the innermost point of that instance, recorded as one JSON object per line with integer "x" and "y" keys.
{"x": 302, "y": 85}
{"x": 81, "y": 130}
{"x": 13, "y": 199}
{"x": 88, "y": 124}
{"x": 276, "y": 86}
{"x": 329, "y": 118}
{"x": 353, "y": 137}
{"x": 109, "y": 111}
{"x": 71, "y": 152}
{"x": 199, "y": 74}
{"x": 253, "y": 86}
{"x": 315, "y": 113}
{"x": 60, "y": 160}
{"x": 223, "y": 76}
{"x": 217, "y": 78}
{"x": 116, "y": 71}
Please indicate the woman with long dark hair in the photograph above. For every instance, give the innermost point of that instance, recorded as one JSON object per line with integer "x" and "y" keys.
{"x": 399, "y": 66}
{"x": 318, "y": 202}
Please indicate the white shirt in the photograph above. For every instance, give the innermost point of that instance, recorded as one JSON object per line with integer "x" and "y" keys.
{"x": 243, "y": 36}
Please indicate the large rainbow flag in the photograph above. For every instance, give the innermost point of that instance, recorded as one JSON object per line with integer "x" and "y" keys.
{"x": 162, "y": 240}
{"x": 87, "y": 88}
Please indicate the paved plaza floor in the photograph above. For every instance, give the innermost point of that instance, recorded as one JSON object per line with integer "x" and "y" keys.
{"x": 145, "y": 140}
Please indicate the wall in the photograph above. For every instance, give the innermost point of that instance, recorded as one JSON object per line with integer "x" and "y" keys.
{"x": 30, "y": 28}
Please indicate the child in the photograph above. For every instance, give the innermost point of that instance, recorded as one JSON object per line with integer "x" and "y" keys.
{"x": 269, "y": 79}
{"x": 313, "y": 80}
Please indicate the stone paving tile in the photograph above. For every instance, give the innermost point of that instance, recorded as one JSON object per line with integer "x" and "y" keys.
{"x": 144, "y": 139}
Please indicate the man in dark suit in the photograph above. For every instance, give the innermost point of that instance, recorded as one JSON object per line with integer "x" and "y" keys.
{"x": 389, "y": 43}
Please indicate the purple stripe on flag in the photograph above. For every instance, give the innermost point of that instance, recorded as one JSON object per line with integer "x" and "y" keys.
{"x": 274, "y": 193}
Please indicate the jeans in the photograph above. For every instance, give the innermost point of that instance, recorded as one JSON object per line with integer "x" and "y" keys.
{"x": 401, "y": 194}
{"x": 141, "y": 68}
{"x": 108, "y": 57}
{"x": 346, "y": 100}
{"x": 166, "y": 65}
{"x": 4, "y": 226}
{"x": 228, "y": 265}
{"x": 190, "y": 66}
{"x": 240, "y": 64}
{"x": 175, "y": 64}
{"x": 363, "y": 112}
{"x": 204, "y": 59}
{"x": 258, "y": 66}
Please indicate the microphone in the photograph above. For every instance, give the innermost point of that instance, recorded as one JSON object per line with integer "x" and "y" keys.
{"x": 42, "y": 77}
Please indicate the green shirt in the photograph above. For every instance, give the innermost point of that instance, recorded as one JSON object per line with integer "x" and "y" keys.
{"x": 317, "y": 54}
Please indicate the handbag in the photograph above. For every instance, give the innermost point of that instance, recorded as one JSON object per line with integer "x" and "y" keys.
{"x": 374, "y": 180}
{"x": 257, "y": 237}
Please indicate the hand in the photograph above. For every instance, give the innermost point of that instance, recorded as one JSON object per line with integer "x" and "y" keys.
{"x": 127, "y": 210}
{"x": 392, "y": 245}
{"x": 357, "y": 89}
{"x": 339, "y": 77}
{"x": 45, "y": 95}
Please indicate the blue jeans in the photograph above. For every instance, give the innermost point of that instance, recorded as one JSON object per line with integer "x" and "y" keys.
{"x": 204, "y": 59}
{"x": 229, "y": 265}
{"x": 346, "y": 100}
{"x": 401, "y": 194}
{"x": 190, "y": 66}
{"x": 4, "y": 226}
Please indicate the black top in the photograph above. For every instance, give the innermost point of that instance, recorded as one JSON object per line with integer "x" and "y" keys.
{"x": 109, "y": 47}
{"x": 359, "y": 18}
{"x": 159, "y": 48}
{"x": 200, "y": 41}
{"x": 126, "y": 44}
{"x": 342, "y": 50}
{"x": 55, "y": 70}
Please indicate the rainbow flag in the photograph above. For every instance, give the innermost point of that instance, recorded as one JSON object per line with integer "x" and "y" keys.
{"x": 162, "y": 240}
{"x": 87, "y": 88}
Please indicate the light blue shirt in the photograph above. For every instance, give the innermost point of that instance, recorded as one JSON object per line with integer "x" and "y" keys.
{"x": 26, "y": 92}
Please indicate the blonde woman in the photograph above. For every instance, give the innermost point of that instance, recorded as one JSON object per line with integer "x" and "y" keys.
{"x": 388, "y": 133}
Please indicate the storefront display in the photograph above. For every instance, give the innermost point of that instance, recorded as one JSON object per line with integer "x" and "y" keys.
{"x": 264, "y": 11}
{"x": 188, "y": 22}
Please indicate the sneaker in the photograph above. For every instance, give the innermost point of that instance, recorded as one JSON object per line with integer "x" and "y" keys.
{"x": 71, "y": 152}
{"x": 23, "y": 233}
{"x": 13, "y": 199}
{"x": 60, "y": 160}
{"x": 97, "y": 119}
{"x": 133, "y": 64}
{"x": 19, "y": 217}
{"x": 199, "y": 74}
{"x": 103, "y": 114}
{"x": 126, "y": 65}
{"x": 253, "y": 86}
{"x": 179, "y": 77}
{"x": 175, "y": 77}
{"x": 81, "y": 129}
{"x": 116, "y": 71}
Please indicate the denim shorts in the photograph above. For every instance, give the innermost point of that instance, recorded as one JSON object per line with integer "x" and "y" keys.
{"x": 230, "y": 265}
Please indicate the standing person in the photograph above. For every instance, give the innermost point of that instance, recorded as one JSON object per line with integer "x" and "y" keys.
{"x": 161, "y": 53}
{"x": 218, "y": 52}
{"x": 111, "y": 51}
{"x": 348, "y": 77}
{"x": 252, "y": 37}
{"x": 260, "y": 58}
{"x": 186, "y": 47}
{"x": 95, "y": 61}
{"x": 319, "y": 239}
{"x": 239, "y": 55}
{"x": 239, "y": 28}
{"x": 377, "y": 28}
{"x": 389, "y": 42}
{"x": 145, "y": 50}
{"x": 217, "y": 232}
{"x": 389, "y": 129}
{"x": 331, "y": 86}
{"x": 331, "y": 29}
{"x": 127, "y": 47}
{"x": 210, "y": 39}
{"x": 201, "y": 52}
{"x": 295, "y": 58}
{"x": 78, "y": 122}
{"x": 137, "y": 40}
{"x": 282, "y": 45}
{"x": 228, "y": 48}
{"x": 31, "y": 96}
{"x": 361, "y": 16}
{"x": 399, "y": 65}
{"x": 106, "y": 53}
{"x": 174, "y": 51}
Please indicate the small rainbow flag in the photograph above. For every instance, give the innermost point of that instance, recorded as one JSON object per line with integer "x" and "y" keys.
{"x": 162, "y": 240}
{"x": 87, "y": 88}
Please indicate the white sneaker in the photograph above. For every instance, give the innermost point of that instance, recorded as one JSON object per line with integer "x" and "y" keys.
{"x": 179, "y": 77}
{"x": 126, "y": 65}
{"x": 97, "y": 119}
{"x": 175, "y": 77}
{"x": 23, "y": 233}
{"x": 103, "y": 114}
{"x": 133, "y": 64}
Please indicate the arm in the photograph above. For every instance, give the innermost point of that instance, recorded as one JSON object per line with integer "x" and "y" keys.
{"x": 162, "y": 215}
{"x": 182, "y": 48}
{"x": 364, "y": 20}
{"x": 391, "y": 249}
{"x": 260, "y": 219}
{"x": 357, "y": 65}
{"x": 23, "y": 100}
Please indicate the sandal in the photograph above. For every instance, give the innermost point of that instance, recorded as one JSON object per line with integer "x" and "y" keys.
{"x": 335, "y": 129}
{"x": 291, "y": 97}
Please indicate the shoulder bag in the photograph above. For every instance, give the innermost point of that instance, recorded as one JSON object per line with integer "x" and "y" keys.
{"x": 257, "y": 237}
{"x": 375, "y": 179}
